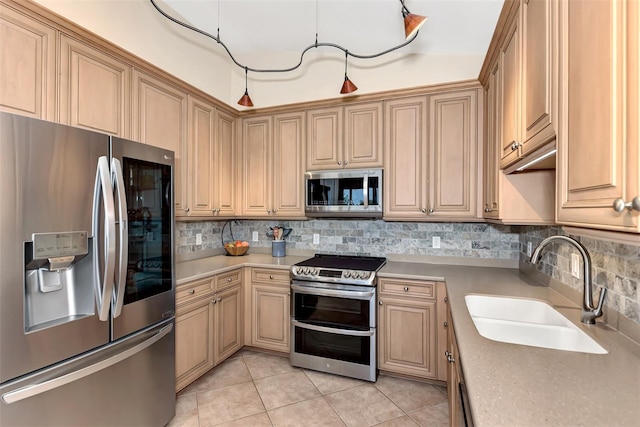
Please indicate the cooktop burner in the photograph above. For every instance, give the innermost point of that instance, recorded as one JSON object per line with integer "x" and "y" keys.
{"x": 339, "y": 269}
{"x": 344, "y": 262}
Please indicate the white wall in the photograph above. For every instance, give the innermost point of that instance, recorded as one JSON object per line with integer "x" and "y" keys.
{"x": 138, "y": 28}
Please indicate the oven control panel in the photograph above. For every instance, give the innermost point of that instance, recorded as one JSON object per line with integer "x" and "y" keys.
{"x": 332, "y": 275}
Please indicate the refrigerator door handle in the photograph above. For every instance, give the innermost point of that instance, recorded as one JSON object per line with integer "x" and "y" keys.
{"x": 117, "y": 181}
{"x": 35, "y": 389}
{"x": 104, "y": 287}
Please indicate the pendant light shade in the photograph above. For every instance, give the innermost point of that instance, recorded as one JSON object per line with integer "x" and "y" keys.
{"x": 245, "y": 100}
{"x": 347, "y": 86}
{"x": 412, "y": 23}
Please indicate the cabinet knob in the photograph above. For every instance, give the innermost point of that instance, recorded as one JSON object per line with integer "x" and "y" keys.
{"x": 288, "y": 294}
{"x": 445, "y": 324}
{"x": 431, "y": 210}
{"x": 229, "y": 279}
{"x": 446, "y": 299}
{"x": 346, "y": 162}
{"x": 187, "y": 210}
{"x": 339, "y": 163}
{"x": 450, "y": 358}
{"x": 379, "y": 302}
{"x": 514, "y": 145}
{"x": 274, "y": 211}
{"x": 423, "y": 210}
{"x": 214, "y": 301}
{"x": 620, "y": 205}
{"x": 271, "y": 276}
{"x": 192, "y": 291}
{"x": 406, "y": 289}
{"x": 268, "y": 211}
{"x": 219, "y": 299}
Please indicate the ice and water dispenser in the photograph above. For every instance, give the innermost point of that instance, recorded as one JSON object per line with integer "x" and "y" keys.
{"x": 58, "y": 279}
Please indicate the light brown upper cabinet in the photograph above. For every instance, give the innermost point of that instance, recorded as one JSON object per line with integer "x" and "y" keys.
{"x": 160, "y": 119}
{"x": 599, "y": 142}
{"x": 95, "y": 89}
{"x": 27, "y": 66}
{"x": 211, "y": 161}
{"x": 431, "y": 158}
{"x": 526, "y": 60}
{"x": 272, "y": 153}
{"x": 345, "y": 137}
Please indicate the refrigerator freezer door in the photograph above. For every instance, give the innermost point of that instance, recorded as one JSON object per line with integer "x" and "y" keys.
{"x": 148, "y": 294}
{"x": 47, "y": 308}
{"x": 127, "y": 383}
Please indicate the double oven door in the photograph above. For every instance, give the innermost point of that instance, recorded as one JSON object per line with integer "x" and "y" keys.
{"x": 333, "y": 328}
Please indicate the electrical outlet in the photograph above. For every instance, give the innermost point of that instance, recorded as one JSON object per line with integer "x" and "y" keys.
{"x": 198, "y": 238}
{"x": 435, "y": 242}
{"x": 575, "y": 266}
{"x": 254, "y": 236}
{"x": 529, "y": 249}
{"x": 316, "y": 239}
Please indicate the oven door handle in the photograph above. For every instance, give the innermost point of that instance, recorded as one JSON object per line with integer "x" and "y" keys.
{"x": 333, "y": 293}
{"x": 349, "y": 332}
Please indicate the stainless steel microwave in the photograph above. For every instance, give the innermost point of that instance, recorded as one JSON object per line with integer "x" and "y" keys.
{"x": 344, "y": 193}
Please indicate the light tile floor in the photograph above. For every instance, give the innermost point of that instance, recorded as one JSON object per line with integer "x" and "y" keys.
{"x": 260, "y": 389}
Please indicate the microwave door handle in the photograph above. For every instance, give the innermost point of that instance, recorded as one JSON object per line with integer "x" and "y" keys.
{"x": 104, "y": 286}
{"x": 337, "y": 331}
{"x": 365, "y": 191}
{"x": 333, "y": 293}
{"x": 117, "y": 180}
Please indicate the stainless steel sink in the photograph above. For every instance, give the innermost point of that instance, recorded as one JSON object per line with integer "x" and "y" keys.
{"x": 527, "y": 322}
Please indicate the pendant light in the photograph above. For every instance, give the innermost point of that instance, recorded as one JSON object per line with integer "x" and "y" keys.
{"x": 245, "y": 100}
{"x": 347, "y": 86}
{"x": 412, "y": 23}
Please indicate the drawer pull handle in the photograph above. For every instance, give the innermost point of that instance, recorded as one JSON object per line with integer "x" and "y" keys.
{"x": 192, "y": 291}
{"x": 406, "y": 289}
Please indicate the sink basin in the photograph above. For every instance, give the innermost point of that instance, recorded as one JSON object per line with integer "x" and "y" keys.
{"x": 527, "y": 322}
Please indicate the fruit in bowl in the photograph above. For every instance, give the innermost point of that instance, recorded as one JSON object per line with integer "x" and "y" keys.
{"x": 236, "y": 248}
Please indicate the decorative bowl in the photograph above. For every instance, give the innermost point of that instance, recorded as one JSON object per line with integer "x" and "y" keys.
{"x": 236, "y": 250}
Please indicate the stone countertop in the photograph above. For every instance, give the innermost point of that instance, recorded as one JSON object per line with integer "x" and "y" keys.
{"x": 508, "y": 384}
{"x": 515, "y": 385}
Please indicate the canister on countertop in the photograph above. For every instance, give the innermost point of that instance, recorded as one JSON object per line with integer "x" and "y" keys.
{"x": 278, "y": 248}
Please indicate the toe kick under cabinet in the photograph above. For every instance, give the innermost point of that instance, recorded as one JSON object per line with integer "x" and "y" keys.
{"x": 209, "y": 324}
{"x": 412, "y": 328}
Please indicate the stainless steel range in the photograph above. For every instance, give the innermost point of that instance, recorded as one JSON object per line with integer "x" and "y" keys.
{"x": 333, "y": 315}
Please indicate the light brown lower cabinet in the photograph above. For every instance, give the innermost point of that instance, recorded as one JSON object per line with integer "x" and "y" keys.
{"x": 454, "y": 378}
{"x": 209, "y": 324}
{"x": 409, "y": 336}
{"x": 270, "y": 296}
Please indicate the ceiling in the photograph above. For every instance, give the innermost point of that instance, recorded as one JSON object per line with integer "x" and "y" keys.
{"x": 454, "y": 27}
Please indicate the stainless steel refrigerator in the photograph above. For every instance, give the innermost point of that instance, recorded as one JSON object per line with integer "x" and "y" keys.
{"x": 87, "y": 286}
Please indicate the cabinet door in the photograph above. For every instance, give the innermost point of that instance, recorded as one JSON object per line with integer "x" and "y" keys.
{"x": 95, "y": 89}
{"x": 453, "y": 155}
{"x": 407, "y": 336}
{"x": 288, "y": 172}
{"x": 202, "y": 157}
{"x": 257, "y": 144}
{"x": 363, "y": 135}
{"x": 228, "y": 323}
{"x": 597, "y": 159}
{"x": 194, "y": 342}
{"x": 225, "y": 165}
{"x": 27, "y": 66}
{"x": 456, "y": 418}
{"x": 324, "y": 139}
{"x": 270, "y": 327}
{"x": 405, "y": 181}
{"x": 537, "y": 74}
{"x": 160, "y": 119}
{"x": 510, "y": 138}
{"x": 491, "y": 143}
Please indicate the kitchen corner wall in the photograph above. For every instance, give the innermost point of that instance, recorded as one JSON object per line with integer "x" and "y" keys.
{"x": 615, "y": 266}
{"x": 363, "y": 237}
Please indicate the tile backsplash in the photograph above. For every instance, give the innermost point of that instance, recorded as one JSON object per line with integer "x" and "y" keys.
{"x": 615, "y": 266}
{"x": 363, "y": 237}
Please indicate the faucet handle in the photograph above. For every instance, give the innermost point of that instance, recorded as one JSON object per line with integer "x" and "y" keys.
{"x": 598, "y": 308}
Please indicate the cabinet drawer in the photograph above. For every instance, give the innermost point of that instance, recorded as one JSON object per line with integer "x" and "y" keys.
{"x": 407, "y": 288}
{"x": 192, "y": 291}
{"x": 228, "y": 279}
{"x": 278, "y": 277}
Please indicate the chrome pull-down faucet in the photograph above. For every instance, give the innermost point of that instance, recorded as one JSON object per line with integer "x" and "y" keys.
{"x": 589, "y": 312}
